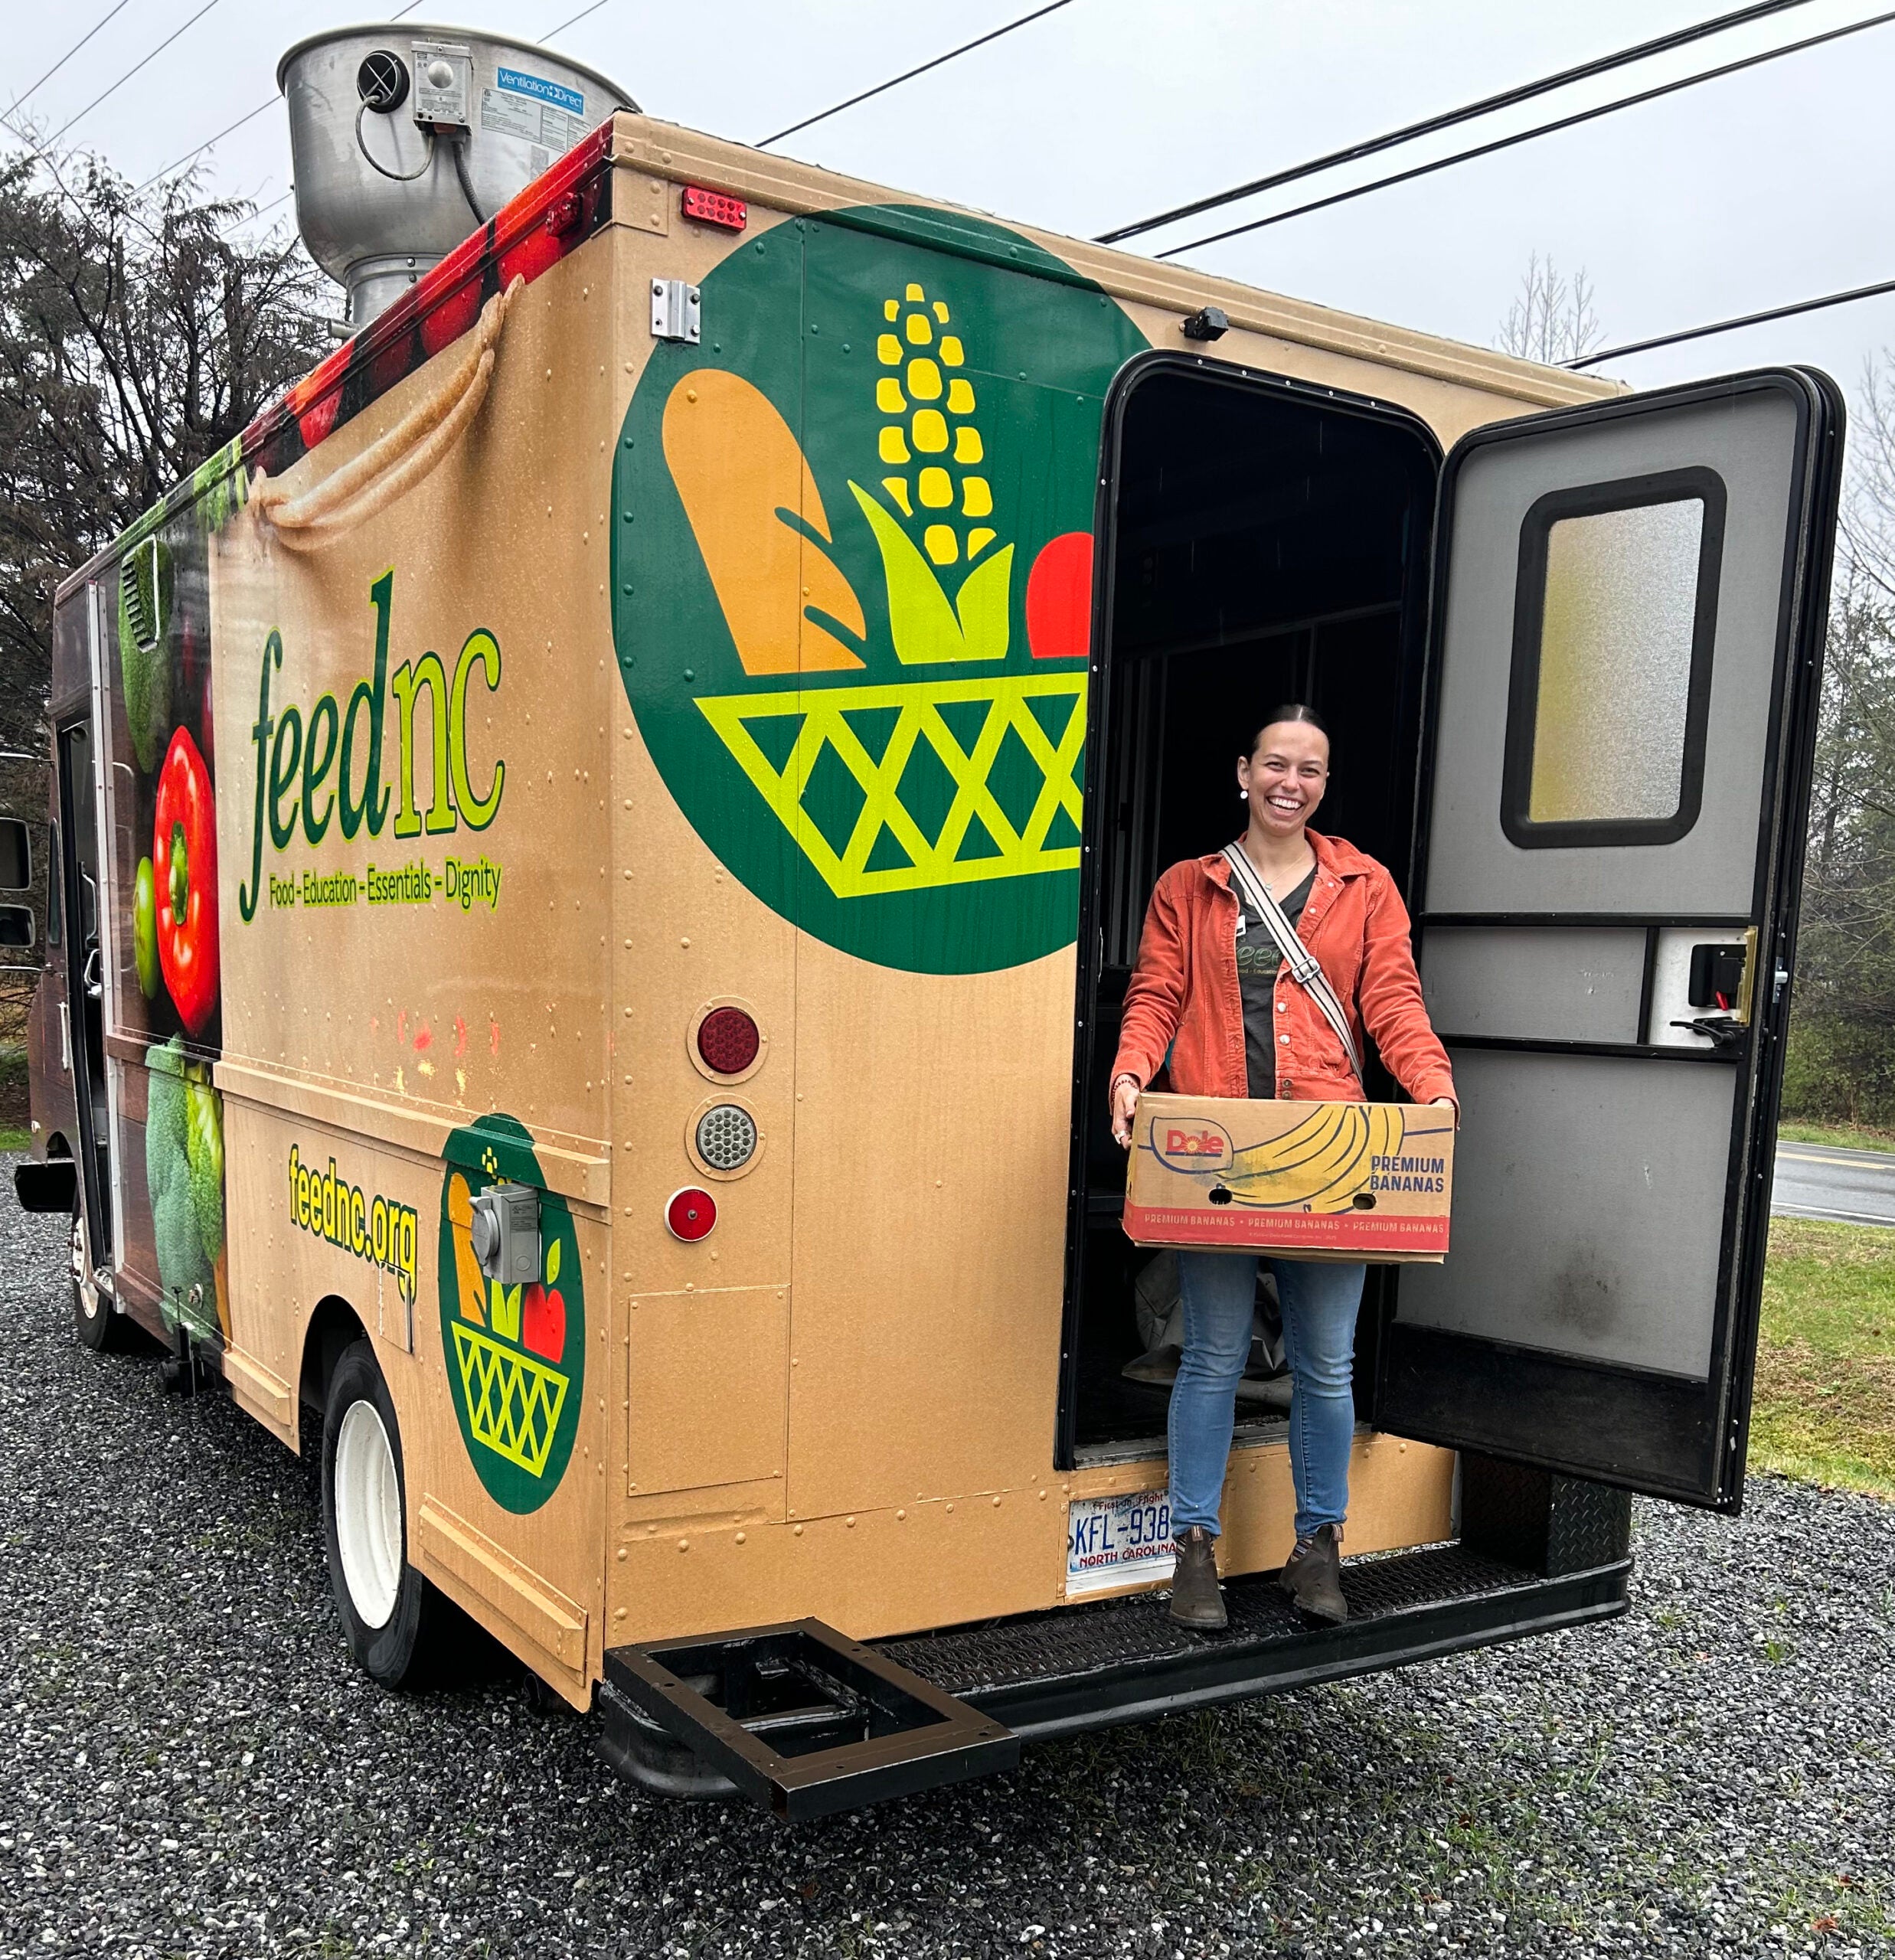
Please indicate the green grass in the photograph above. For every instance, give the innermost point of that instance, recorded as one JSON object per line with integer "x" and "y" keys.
{"x": 12, "y": 1139}
{"x": 1824, "y": 1407}
{"x": 1841, "y": 1136}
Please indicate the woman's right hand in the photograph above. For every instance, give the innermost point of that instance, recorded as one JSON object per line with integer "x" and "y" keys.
{"x": 1124, "y": 1101}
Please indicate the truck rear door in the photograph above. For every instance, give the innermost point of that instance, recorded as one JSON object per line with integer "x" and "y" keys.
{"x": 1630, "y": 600}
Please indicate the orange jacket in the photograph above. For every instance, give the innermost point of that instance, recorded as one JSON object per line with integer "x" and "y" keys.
{"x": 1183, "y": 998}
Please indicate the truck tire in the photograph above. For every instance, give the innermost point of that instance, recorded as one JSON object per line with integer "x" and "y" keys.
{"x": 95, "y": 1323}
{"x": 393, "y": 1620}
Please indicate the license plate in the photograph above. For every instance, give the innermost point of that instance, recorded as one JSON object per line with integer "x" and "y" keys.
{"x": 1118, "y": 1541}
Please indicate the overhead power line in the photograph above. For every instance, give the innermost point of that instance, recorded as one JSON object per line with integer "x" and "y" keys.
{"x": 1529, "y": 135}
{"x": 133, "y": 70}
{"x": 1731, "y": 326}
{"x": 583, "y": 13}
{"x": 1430, "y": 125}
{"x": 250, "y": 115}
{"x": 210, "y": 142}
{"x": 112, "y": 15}
{"x": 954, "y": 54}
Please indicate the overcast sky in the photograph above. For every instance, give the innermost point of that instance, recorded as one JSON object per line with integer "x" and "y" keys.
{"x": 1768, "y": 187}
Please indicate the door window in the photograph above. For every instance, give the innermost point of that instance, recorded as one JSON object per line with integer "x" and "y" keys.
{"x": 16, "y": 856}
{"x": 1613, "y": 630}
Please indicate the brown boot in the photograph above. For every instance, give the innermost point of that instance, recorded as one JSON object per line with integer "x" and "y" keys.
{"x": 1196, "y": 1601}
{"x": 1313, "y": 1576}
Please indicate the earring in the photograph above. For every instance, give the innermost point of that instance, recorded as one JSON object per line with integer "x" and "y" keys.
{"x": 1244, "y": 795}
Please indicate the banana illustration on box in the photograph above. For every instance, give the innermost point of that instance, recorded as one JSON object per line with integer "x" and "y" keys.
{"x": 1323, "y": 1164}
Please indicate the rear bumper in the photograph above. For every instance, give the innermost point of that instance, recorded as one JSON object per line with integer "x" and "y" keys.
{"x": 1081, "y": 1668}
{"x": 767, "y": 1709}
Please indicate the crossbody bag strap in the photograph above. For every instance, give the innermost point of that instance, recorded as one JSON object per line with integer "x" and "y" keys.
{"x": 1303, "y": 966}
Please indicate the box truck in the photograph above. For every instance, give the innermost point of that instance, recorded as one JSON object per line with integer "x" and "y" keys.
{"x": 601, "y": 845}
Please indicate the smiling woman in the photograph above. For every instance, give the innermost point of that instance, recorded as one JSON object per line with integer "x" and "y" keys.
{"x": 1281, "y": 889}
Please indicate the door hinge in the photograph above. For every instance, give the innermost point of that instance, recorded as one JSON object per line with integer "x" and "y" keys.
{"x": 675, "y": 312}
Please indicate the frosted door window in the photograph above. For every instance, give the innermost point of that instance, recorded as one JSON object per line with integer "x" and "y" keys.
{"x": 1612, "y": 668}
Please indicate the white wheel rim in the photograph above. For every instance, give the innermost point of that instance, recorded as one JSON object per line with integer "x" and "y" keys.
{"x": 89, "y": 1301}
{"x": 368, "y": 1515}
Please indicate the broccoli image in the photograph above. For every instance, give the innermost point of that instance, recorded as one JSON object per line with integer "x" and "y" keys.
{"x": 184, "y": 1171}
{"x": 146, "y": 589}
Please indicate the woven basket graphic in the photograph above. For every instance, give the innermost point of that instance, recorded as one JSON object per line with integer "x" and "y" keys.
{"x": 513, "y": 1401}
{"x": 1045, "y": 713}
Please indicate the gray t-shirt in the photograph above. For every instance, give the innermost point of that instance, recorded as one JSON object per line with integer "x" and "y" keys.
{"x": 1258, "y": 961}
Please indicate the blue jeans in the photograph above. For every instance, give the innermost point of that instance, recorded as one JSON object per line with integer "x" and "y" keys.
{"x": 1320, "y": 1303}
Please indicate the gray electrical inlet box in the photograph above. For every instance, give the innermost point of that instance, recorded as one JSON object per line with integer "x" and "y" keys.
{"x": 506, "y": 1233}
{"x": 443, "y": 85}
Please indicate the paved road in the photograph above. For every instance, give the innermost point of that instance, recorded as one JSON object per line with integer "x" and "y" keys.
{"x": 1817, "y": 1181}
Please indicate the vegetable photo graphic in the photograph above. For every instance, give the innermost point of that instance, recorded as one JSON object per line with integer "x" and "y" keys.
{"x": 144, "y": 929}
{"x": 184, "y": 1172}
{"x": 515, "y": 1355}
{"x": 147, "y": 591}
{"x": 184, "y": 878}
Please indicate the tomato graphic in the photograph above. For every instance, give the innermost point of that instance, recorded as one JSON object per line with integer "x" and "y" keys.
{"x": 185, "y": 864}
{"x": 1059, "y": 598}
{"x": 543, "y": 1322}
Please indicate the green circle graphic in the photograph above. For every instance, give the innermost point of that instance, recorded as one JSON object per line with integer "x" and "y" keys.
{"x": 850, "y": 578}
{"x": 516, "y": 1357}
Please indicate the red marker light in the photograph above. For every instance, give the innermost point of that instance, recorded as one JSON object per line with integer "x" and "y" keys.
{"x": 728, "y": 1040}
{"x": 713, "y": 207}
{"x": 690, "y": 1215}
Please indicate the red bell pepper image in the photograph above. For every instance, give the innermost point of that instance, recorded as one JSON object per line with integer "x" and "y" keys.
{"x": 185, "y": 861}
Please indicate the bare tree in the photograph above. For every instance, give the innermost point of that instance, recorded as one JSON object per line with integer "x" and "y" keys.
{"x": 137, "y": 338}
{"x": 1841, "y": 1064}
{"x": 1552, "y": 319}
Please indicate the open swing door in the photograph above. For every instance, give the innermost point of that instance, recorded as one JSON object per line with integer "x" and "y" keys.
{"x": 1629, "y": 606}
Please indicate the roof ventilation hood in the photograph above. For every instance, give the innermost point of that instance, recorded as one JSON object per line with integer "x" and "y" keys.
{"x": 405, "y": 140}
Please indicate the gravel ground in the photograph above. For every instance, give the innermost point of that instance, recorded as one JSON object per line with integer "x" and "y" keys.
{"x": 190, "y": 1766}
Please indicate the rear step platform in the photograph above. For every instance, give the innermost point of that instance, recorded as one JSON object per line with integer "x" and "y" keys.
{"x": 803, "y": 1719}
{"x": 808, "y": 1722}
{"x": 1126, "y": 1660}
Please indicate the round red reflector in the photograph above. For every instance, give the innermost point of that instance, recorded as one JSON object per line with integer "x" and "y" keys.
{"x": 728, "y": 1040}
{"x": 690, "y": 1215}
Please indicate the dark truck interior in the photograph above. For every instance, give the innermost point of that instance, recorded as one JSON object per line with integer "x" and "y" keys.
{"x": 1264, "y": 541}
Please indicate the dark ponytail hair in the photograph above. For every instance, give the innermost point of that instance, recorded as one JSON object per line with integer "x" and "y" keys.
{"x": 1289, "y": 712}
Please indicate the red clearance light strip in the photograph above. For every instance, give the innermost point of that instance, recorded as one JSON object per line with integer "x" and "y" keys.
{"x": 713, "y": 207}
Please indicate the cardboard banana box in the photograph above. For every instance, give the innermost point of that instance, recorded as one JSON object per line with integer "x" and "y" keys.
{"x": 1341, "y": 1181}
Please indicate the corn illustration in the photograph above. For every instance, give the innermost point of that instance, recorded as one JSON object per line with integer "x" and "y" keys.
{"x": 1010, "y": 745}
{"x": 917, "y": 398}
{"x": 930, "y": 447}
